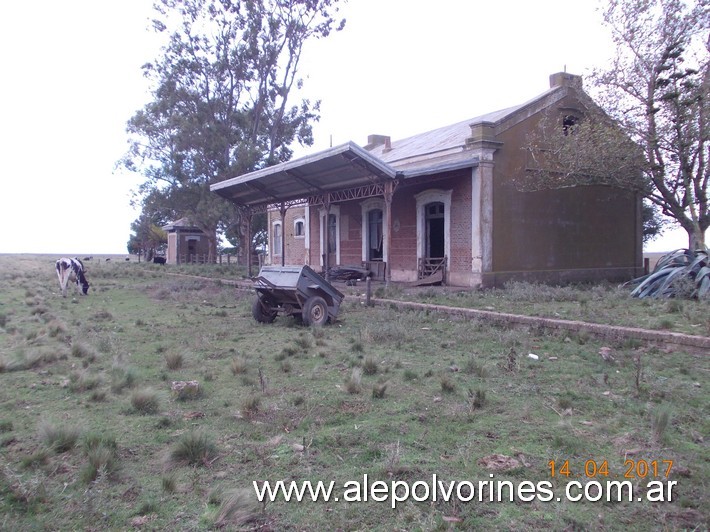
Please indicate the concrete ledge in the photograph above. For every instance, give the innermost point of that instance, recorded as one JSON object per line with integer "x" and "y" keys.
{"x": 699, "y": 344}
{"x": 696, "y": 343}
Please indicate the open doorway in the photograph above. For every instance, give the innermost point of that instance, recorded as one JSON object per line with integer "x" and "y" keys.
{"x": 434, "y": 233}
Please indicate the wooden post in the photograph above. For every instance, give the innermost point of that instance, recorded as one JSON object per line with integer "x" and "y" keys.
{"x": 247, "y": 238}
{"x": 326, "y": 236}
{"x": 368, "y": 292}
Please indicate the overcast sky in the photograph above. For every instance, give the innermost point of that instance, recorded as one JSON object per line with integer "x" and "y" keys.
{"x": 72, "y": 78}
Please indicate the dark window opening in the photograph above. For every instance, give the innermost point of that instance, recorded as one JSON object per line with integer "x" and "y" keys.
{"x": 332, "y": 233}
{"x": 277, "y": 239}
{"x": 569, "y": 123}
{"x": 298, "y": 230}
{"x": 374, "y": 234}
{"x": 434, "y": 230}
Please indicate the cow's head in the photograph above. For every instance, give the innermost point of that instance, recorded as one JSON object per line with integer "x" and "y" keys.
{"x": 85, "y": 287}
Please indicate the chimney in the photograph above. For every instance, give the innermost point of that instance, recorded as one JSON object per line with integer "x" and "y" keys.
{"x": 563, "y": 79}
{"x": 378, "y": 140}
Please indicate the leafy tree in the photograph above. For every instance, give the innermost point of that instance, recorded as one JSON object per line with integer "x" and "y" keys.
{"x": 148, "y": 237}
{"x": 652, "y": 220}
{"x": 654, "y": 137}
{"x": 221, "y": 100}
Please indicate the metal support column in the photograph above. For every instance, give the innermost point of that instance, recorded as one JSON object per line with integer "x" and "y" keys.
{"x": 247, "y": 214}
{"x": 389, "y": 192}
{"x": 283, "y": 210}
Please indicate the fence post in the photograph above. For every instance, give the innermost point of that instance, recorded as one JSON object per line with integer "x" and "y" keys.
{"x": 368, "y": 291}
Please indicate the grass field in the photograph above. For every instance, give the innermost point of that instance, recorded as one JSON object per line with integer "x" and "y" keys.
{"x": 92, "y": 435}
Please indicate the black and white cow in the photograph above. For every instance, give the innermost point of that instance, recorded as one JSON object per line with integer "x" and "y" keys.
{"x": 72, "y": 270}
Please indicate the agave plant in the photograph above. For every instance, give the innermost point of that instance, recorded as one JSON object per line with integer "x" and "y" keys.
{"x": 680, "y": 273}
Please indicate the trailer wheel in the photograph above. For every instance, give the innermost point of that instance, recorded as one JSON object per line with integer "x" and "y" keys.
{"x": 315, "y": 311}
{"x": 260, "y": 312}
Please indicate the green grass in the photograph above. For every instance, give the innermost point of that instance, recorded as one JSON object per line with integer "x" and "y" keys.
{"x": 601, "y": 303}
{"x": 421, "y": 394}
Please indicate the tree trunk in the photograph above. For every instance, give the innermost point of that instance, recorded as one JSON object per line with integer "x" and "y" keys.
{"x": 696, "y": 239}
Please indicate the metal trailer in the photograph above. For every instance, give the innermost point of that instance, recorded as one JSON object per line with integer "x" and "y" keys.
{"x": 294, "y": 290}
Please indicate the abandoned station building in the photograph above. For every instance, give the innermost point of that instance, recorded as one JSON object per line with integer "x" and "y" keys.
{"x": 445, "y": 205}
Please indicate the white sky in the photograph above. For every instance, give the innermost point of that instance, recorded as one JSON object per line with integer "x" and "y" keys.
{"x": 72, "y": 78}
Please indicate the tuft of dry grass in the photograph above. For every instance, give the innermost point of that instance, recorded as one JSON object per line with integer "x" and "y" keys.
{"x": 251, "y": 405}
{"x": 80, "y": 349}
{"x": 238, "y": 365}
{"x": 477, "y": 399}
{"x": 448, "y": 385}
{"x": 369, "y": 366}
{"x": 145, "y": 401}
{"x": 58, "y": 438}
{"x": 173, "y": 361}
{"x": 122, "y": 377}
{"x": 659, "y": 423}
{"x": 102, "y": 460}
{"x": 353, "y": 384}
{"x": 193, "y": 448}
{"x": 82, "y": 381}
{"x": 378, "y": 390}
{"x": 238, "y": 508}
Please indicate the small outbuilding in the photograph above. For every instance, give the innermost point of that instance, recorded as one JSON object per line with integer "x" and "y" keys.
{"x": 187, "y": 244}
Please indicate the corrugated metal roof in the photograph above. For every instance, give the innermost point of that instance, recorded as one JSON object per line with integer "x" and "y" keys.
{"x": 437, "y": 143}
{"x": 344, "y": 166}
{"x": 349, "y": 165}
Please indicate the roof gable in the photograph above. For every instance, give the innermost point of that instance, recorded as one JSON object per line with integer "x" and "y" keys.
{"x": 348, "y": 166}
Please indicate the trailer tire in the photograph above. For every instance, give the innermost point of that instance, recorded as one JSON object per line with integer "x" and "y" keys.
{"x": 315, "y": 311}
{"x": 260, "y": 313}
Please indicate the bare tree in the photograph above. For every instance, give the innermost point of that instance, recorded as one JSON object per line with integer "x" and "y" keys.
{"x": 653, "y": 136}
